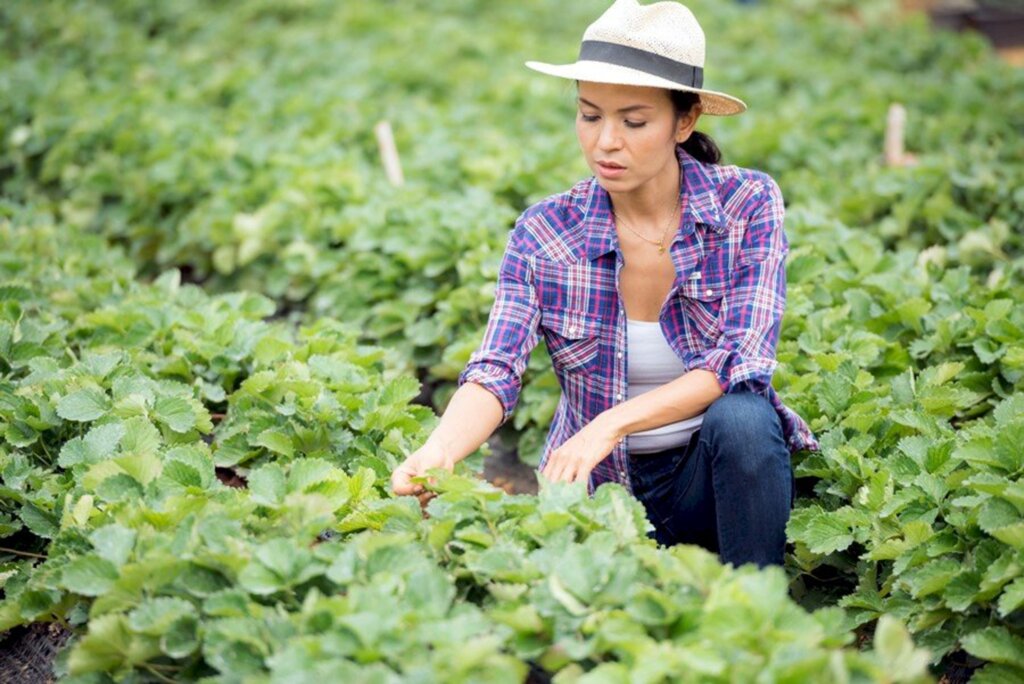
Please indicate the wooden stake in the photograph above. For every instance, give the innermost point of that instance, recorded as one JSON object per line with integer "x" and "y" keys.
{"x": 389, "y": 153}
{"x": 895, "y": 127}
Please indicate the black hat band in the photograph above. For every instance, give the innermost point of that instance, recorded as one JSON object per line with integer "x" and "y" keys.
{"x": 642, "y": 60}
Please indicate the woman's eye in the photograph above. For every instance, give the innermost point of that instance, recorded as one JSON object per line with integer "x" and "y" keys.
{"x": 636, "y": 124}
{"x": 589, "y": 119}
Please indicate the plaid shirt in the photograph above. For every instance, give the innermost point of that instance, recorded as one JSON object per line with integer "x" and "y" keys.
{"x": 559, "y": 276}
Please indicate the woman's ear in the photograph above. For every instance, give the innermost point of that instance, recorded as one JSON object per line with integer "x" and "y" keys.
{"x": 686, "y": 124}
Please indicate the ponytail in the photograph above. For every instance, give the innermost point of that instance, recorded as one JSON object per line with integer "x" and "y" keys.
{"x": 699, "y": 145}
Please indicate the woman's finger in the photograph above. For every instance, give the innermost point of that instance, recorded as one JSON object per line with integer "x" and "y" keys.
{"x": 401, "y": 481}
{"x": 565, "y": 472}
{"x": 549, "y": 467}
{"x": 556, "y": 466}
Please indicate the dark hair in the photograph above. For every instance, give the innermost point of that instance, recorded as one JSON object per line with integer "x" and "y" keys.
{"x": 699, "y": 145}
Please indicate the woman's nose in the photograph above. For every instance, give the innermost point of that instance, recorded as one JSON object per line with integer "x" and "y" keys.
{"x": 609, "y": 138}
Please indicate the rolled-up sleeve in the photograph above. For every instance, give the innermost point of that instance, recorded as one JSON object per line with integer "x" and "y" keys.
{"x": 512, "y": 333}
{"x": 754, "y": 302}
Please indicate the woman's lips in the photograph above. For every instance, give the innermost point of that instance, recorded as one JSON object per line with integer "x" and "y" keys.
{"x": 608, "y": 171}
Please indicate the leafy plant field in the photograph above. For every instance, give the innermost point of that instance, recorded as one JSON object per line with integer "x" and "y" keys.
{"x": 215, "y": 314}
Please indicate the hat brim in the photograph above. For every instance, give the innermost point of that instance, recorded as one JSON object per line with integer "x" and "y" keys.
{"x": 713, "y": 102}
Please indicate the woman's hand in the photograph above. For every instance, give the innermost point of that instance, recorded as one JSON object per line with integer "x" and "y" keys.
{"x": 574, "y": 459}
{"x": 430, "y": 455}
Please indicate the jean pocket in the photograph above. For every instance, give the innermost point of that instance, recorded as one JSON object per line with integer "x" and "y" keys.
{"x": 655, "y": 477}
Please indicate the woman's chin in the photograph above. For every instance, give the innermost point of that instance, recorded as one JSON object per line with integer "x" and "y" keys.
{"x": 614, "y": 185}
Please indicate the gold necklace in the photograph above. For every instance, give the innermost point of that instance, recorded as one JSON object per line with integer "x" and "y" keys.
{"x": 660, "y": 244}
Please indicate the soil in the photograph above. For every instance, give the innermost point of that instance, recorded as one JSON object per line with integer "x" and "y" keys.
{"x": 29, "y": 652}
{"x": 504, "y": 469}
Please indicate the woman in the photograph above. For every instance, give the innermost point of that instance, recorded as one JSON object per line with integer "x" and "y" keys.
{"x": 659, "y": 287}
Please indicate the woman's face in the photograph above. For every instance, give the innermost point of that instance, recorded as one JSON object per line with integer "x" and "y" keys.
{"x": 628, "y": 133}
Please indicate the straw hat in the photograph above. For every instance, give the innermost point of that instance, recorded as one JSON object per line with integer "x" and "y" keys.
{"x": 659, "y": 45}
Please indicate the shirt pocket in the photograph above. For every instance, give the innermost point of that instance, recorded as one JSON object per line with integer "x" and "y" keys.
{"x": 573, "y": 339}
{"x": 584, "y": 286}
{"x": 703, "y": 308}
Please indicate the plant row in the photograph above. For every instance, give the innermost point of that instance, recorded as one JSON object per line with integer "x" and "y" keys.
{"x": 201, "y": 494}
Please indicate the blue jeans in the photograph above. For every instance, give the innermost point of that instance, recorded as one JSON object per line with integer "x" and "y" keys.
{"x": 729, "y": 490}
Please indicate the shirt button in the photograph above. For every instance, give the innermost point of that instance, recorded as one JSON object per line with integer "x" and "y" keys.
{"x": 709, "y": 292}
{"x": 622, "y": 474}
{"x": 618, "y": 396}
{"x": 619, "y": 355}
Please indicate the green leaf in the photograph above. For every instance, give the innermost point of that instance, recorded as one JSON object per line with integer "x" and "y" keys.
{"x": 99, "y": 443}
{"x": 993, "y": 673}
{"x": 182, "y": 473}
{"x": 42, "y": 523}
{"x": 89, "y": 575}
{"x": 118, "y": 487}
{"x": 190, "y": 465}
{"x": 400, "y": 391}
{"x": 20, "y": 435}
{"x": 104, "y": 648}
{"x": 143, "y": 468}
{"x": 821, "y": 531}
{"x": 83, "y": 405}
{"x": 182, "y": 638}
{"x": 308, "y": 473}
{"x": 113, "y": 543}
{"x": 267, "y": 485}
{"x": 276, "y": 441}
{"x": 564, "y": 597}
{"x": 284, "y": 557}
{"x": 899, "y": 658}
{"x": 270, "y": 348}
{"x": 102, "y": 440}
{"x": 430, "y": 592}
{"x": 109, "y": 645}
{"x": 1012, "y": 597}
{"x": 156, "y": 615}
{"x": 232, "y": 602}
{"x": 260, "y": 580}
{"x": 1011, "y": 534}
{"x": 995, "y": 644}
{"x": 278, "y": 564}
{"x": 140, "y": 438}
{"x": 931, "y": 577}
{"x": 176, "y": 413}
{"x": 100, "y": 365}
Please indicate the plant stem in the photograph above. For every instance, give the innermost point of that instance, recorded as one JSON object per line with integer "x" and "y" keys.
{"x": 27, "y": 554}
{"x": 63, "y": 623}
{"x": 155, "y": 673}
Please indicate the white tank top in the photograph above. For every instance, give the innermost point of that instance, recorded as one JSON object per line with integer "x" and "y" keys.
{"x": 652, "y": 363}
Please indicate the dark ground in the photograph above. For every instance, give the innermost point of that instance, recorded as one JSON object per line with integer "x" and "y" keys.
{"x": 504, "y": 469}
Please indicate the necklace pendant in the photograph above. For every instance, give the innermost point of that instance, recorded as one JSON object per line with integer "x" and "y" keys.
{"x": 661, "y": 249}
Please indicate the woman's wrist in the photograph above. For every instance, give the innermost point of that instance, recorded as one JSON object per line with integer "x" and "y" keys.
{"x": 609, "y": 424}
{"x": 441, "y": 444}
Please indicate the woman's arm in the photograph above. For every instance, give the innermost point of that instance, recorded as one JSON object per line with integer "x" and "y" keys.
{"x": 685, "y": 397}
{"x": 490, "y": 384}
{"x": 473, "y": 414}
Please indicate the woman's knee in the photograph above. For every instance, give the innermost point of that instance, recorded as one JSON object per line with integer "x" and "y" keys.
{"x": 744, "y": 427}
{"x": 741, "y": 413}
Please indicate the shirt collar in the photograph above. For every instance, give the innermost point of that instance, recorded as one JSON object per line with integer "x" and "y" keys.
{"x": 698, "y": 196}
